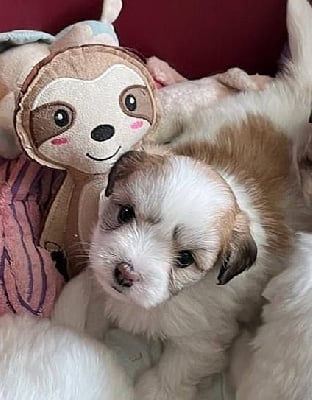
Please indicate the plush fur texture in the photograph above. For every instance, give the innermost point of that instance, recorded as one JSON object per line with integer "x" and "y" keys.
{"x": 40, "y": 360}
{"x": 227, "y": 192}
{"x": 278, "y": 365}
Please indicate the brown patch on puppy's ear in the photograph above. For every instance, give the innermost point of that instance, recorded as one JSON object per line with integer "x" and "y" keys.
{"x": 132, "y": 161}
{"x": 240, "y": 253}
{"x": 125, "y": 166}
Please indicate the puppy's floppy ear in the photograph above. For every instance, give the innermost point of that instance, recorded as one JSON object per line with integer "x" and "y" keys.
{"x": 240, "y": 253}
{"x": 124, "y": 167}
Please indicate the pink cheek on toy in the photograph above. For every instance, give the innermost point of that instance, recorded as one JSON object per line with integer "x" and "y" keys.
{"x": 59, "y": 141}
{"x": 137, "y": 124}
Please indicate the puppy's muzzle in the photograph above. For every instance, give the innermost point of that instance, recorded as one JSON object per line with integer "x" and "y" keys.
{"x": 125, "y": 276}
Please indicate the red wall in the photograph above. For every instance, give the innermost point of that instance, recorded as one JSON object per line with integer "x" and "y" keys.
{"x": 197, "y": 37}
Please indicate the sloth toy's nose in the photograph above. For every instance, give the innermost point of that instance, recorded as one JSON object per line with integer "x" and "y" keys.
{"x": 102, "y": 133}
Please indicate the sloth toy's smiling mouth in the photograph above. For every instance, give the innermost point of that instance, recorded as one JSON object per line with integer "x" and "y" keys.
{"x": 103, "y": 159}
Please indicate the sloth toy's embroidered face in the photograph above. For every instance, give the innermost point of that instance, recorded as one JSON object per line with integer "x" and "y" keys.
{"x": 83, "y": 107}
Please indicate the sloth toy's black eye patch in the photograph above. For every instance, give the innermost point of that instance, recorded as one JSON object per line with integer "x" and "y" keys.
{"x": 310, "y": 118}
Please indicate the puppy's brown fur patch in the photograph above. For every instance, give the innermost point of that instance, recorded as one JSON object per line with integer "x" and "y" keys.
{"x": 128, "y": 164}
{"x": 258, "y": 155}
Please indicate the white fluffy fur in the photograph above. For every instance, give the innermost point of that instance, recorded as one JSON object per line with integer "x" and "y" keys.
{"x": 42, "y": 361}
{"x": 280, "y": 366}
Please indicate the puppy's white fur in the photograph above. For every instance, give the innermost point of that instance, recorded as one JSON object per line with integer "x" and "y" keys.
{"x": 42, "y": 361}
{"x": 278, "y": 365}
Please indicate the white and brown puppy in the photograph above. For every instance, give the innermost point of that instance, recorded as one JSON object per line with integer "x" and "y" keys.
{"x": 177, "y": 224}
{"x": 226, "y": 198}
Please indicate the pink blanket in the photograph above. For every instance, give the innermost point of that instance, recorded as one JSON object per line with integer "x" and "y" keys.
{"x": 29, "y": 280}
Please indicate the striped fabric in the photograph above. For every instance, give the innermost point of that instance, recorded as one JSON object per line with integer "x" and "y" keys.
{"x": 29, "y": 281}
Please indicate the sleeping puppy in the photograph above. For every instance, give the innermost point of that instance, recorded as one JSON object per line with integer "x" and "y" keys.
{"x": 189, "y": 238}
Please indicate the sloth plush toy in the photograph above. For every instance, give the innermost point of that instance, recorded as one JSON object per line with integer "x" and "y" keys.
{"x": 79, "y": 109}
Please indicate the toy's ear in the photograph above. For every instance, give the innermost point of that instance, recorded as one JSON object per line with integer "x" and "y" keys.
{"x": 111, "y": 10}
{"x": 240, "y": 253}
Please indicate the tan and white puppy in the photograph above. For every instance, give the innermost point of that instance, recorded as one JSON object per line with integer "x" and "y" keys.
{"x": 225, "y": 199}
{"x": 177, "y": 224}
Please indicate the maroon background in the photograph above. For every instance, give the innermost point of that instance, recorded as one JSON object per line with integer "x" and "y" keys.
{"x": 198, "y": 37}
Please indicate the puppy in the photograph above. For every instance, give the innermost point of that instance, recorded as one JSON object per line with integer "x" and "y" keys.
{"x": 222, "y": 204}
{"x": 280, "y": 357}
{"x": 177, "y": 224}
{"x": 40, "y": 360}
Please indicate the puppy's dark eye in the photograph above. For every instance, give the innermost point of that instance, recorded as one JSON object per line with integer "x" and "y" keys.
{"x": 130, "y": 102}
{"x": 61, "y": 117}
{"x": 185, "y": 259}
{"x": 126, "y": 214}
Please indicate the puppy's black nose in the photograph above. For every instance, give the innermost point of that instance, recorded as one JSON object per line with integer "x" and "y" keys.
{"x": 125, "y": 275}
{"x": 102, "y": 133}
